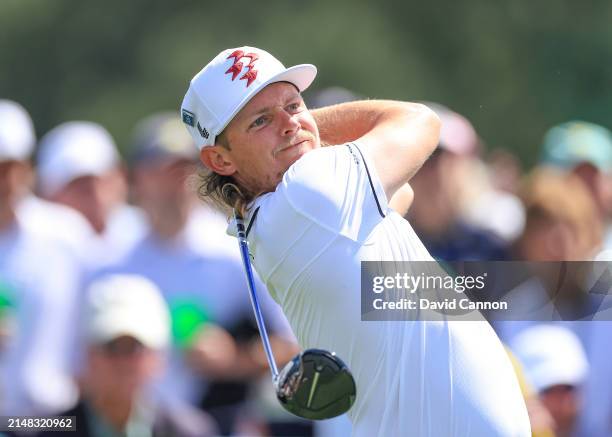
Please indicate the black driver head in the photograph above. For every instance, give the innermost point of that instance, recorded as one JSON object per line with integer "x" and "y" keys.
{"x": 316, "y": 385}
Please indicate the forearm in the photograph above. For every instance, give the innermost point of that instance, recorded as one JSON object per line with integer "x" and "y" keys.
{"x": 349, "y": 121}
{"x": 399, "y": 136}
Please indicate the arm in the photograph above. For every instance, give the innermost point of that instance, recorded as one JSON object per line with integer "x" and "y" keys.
{"x": 399, "y": 136}
{"x": 217, "y": 355}
{"x": 402, "y": 199}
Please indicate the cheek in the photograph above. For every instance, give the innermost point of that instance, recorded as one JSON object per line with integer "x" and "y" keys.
{"x": 308, "y": 123}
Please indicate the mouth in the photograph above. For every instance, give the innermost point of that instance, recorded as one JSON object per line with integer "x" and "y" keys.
{"x": 291, "y": 146}
{"x": 300, "y": 142}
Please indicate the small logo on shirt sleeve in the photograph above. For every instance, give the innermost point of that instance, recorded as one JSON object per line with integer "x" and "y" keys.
{"x": 353, "y": 154}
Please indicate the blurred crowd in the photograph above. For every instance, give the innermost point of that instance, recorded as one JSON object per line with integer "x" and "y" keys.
{"x": 123, "y": 301}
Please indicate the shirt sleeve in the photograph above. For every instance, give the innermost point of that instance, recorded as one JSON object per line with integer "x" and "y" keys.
{"x": 338, "y": 188}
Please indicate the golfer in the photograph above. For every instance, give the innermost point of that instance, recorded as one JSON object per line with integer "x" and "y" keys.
{"x": 314, "y": 213}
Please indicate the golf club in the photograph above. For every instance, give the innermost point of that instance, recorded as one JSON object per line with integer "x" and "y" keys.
{"x": 315, "y": 384}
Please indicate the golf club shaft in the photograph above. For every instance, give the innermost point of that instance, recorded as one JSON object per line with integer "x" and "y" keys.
{"x": 246, "y": 262}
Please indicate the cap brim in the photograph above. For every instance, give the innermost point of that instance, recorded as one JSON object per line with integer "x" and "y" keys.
{"x": 110, "y": 327}
{"x": 301, "y": 76}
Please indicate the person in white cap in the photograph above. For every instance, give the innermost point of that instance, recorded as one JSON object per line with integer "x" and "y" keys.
{"x": 60, "y": 223}
{"x": 16, "y": 144}
{"x": 38, "y": 279}
{"x": 127, "y": 329}
{"x": 556, "y": 365}
{"x": 314, "y": 213}
{"x": 79, "y": 166}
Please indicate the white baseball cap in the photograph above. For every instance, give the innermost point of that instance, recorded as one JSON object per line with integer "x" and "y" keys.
{"x": 72, "y": 150}
{"x": 224, "y": 86}
{"x": 16, "y": 132}
{"x": 550, "y": 355}
{"x": 130, "y": 305}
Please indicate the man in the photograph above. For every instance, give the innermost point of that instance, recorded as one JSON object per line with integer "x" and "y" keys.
{"x": 128, "y": 328}
{"x": 39, "y": 280}
{"x": 315, "y": 213}
{"x": 79, "y": 166}
{"x": 67, "y": 228}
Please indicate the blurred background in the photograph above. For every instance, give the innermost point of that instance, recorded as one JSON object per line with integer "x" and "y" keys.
{"x": 513, "y": 69}
{"x": 98, "y": 200}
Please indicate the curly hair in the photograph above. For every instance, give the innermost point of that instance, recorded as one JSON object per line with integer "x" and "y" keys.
{"x": 220, "y": 191}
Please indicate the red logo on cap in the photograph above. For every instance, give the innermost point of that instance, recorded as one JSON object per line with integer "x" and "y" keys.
{"x": 236, "y": 67}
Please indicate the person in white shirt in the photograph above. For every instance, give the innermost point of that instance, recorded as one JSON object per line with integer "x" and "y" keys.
{"x": 64, "y": 226}
{"x": 315, "y": 213}
{"x": 79, "y": 166}
{"x": 39, "y": 278}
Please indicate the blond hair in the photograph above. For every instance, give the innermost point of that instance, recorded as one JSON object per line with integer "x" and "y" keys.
{"x": 220, "y": 191}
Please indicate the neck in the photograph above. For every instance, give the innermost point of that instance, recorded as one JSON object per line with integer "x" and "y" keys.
{"x": 115, "y": 410}
{"x": 168, "y": 219}
{"x": 168, "y": 229}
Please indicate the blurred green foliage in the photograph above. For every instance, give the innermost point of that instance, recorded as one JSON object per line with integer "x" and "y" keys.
{"x": 513, "y": 68}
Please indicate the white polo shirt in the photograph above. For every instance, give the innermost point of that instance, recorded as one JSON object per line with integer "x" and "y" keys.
{"x": 435, "y": 379}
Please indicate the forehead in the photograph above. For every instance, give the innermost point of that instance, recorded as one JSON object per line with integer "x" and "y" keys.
{"x": 272, "y": 95}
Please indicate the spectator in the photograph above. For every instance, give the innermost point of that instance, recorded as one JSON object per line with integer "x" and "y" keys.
{"x": 128, "y": 328}
{"x": 79, "y": 167}
{"x": 38, "y": 284}
{"x": 585, "y": 150}
{"x": 439, "y": 188}
{"x": 61, "y": 224}
{"x": 555, "y": 364}
{"x": 561, "y": 225}
{"x": 562, "y": 221}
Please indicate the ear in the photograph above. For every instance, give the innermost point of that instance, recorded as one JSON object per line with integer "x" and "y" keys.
{"x": 217, "y": 159}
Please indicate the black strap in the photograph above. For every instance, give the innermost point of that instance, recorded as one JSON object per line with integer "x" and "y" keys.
{"x": 371, "y": 183}
{"x": 252, "y": 221}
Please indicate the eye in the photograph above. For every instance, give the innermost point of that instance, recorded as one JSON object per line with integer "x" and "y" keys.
{"x": 259, "y": 122}
{"x": 294, "y": 107}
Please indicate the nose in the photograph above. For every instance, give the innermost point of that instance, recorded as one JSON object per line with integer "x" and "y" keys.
{"x": 289, "y": 123}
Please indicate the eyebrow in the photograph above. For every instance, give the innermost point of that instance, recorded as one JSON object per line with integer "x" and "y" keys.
{"x": 267, "y": 108}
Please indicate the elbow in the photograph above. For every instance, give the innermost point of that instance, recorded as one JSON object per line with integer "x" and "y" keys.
{"x": 432, "y": 120}
{"x": 432, "y": 117}
{"x": 430, "y": 126}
